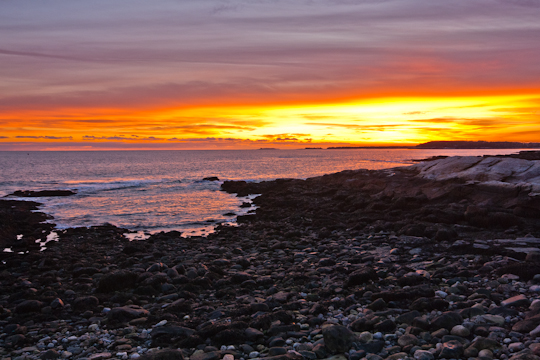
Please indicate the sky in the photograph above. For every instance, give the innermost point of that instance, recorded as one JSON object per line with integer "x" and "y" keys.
{"x": 220, "y": 74}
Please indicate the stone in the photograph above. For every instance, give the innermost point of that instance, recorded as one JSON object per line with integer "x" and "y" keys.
{"x": 337, "y": 338}
{"x": 527, "y": 325}
{"x": 100, "y": 356}
{"x": 519, "y": 300}
{"x": 365, "y": 337}
{"x": 50, "y": 354}
{"x": 117, "y": 280}
{"x": 451, "y": 350}
{"x": 447, "y": 320}
{"x": 423, "y": 355}
{"x": 460, "y": 330}
{"x": 533, "y": 257}
{"x": 361, "y": 276}
{"x": 493, "y": 319}
{"x": 29, "y": 306}
{"x": 85, "y": 303}
{"x": 165, "y": 354}
{"x": 126, "y": 313}
{"x": 407, "y": 340}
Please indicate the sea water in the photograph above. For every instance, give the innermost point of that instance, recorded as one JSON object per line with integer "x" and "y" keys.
{"x": 152, "y": 191}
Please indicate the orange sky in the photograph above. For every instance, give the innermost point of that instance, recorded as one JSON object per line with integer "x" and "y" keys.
{"x": 220, "y": 74}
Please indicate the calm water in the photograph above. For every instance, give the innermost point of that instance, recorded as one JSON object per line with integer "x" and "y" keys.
{"x": 152, "y": 191}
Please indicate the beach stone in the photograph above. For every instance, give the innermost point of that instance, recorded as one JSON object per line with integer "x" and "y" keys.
{"x": 481, "y": 343}
{"x": 407, "y": 340}
{"x": 57, "y": 304}
{"x": 533, "y": 257}
{"x": 535, "y": 332}
{"x": 377, "y": 305}
{"x": 361, "y": 276}
{"x": 493, "y": 319}
{"x": 423, "y": 355}
{"x": 447, "y": 320}
{"x": 373, "y": 347}
{"x": 337, "y": 338}
{"x": 50, "y": 354}
{"x": 519, "y": 300}
{"x": 485, "y": 354}
{"x": 525, "y": 355}
{"x": 451, "y": 350}
{"x": 253, "y": 334}
{"x": 29, "y": 306}
{"x": 85, "y": 302}
{"x": 397, "y": 356}
{"x": 273, "y": 351}
{"x": 365, "y": 337}
{"x": 100, "y": 356}
{"x": 460, "y": 330}
{"x": 165, "y": 354}
{"x": 117, "y": 280}
{"x": 408, "y": 317}
{"x": 385, "y": 325}
{"x": 126, "y": 313}
{"x": 15, "y": 340}
{"x": 210, "y": 355}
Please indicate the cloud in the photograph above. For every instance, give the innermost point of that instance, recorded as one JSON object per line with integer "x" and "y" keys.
{"x": 4, "y": 137}
{"x": 44, "y": 137}
{"x": 359, "y": 127}
{"x": 122, "y": 138}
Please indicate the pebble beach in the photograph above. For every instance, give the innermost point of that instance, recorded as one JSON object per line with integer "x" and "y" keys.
{"x": 439, "y": 260}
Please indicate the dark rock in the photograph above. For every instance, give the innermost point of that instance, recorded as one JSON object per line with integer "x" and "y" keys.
{"x": 276, "y": 350}
{"x": 15, "y": 340}
{"x": 337, "y": 338}
{"x": 165, "y": 354}
{"x": 57, "y": 304}
{"x": 385, "y": 325}
{"x": 447, "y": 321}
{"x": 116, "y": 281}
{"x": 42, "y": 193}
{"x": 211, "y": 178}
{"x": 373, "y": 347}
{"x": 408, "y": 317}
{"x": 50, "y": 355}
{"x": 85, "y": 303}
{"x": 29, "y": 306}
{"x": 253, "y": 334}
{"x": 451, "y": 350}
{"x": 377, "y": 305}
{"x": 361, "y": 276}
{"x": 527, "y": 325}
{"x": 126, "y": 313}
{"x": 518, "y": 300}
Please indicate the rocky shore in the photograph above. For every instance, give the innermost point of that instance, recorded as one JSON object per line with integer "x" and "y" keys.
{"x": 439, "y": 260}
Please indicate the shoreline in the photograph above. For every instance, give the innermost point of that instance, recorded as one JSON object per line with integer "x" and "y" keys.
{"x": 379, "y": 264}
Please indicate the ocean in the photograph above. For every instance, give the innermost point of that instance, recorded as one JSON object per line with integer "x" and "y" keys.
{"x": 151, "y": 191}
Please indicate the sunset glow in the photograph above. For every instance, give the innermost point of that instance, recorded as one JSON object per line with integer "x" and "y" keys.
{"x": 231, "y": 75}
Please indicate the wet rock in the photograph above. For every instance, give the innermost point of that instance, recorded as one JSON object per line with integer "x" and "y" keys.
{"x": 337, "y": 338}
{"x": 518, "y": 300}
{"x": 447, "y": 320}
{"x": 423, "y": 355}
{"x": 361, "y": 276}
{"x": 126, "y": 313}
{"x": 165, "y": 354}
{"x": 42, "y": 193}
{"x": 116, "y": 281}
{"x": 451, "y": 350}
{"x": 85, "y": 303}
{"x": 51, "y": 354}
{"x": 29, "y": 306}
